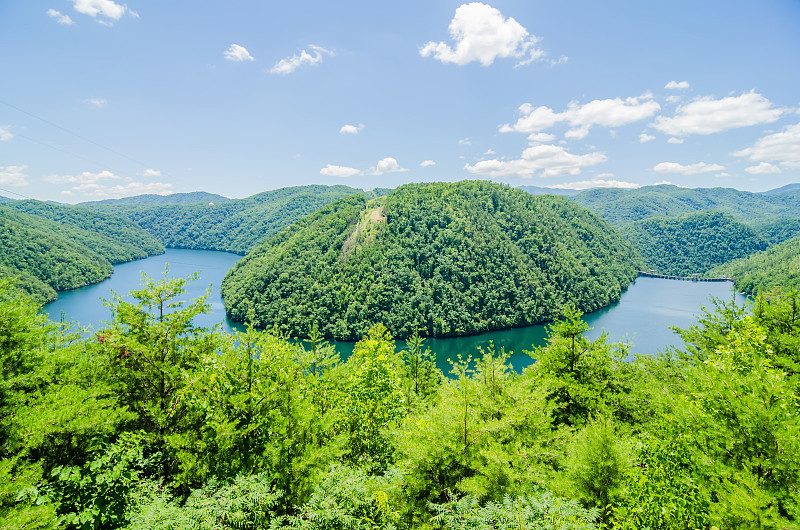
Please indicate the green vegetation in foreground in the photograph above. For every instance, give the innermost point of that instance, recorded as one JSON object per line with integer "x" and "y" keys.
{"x": 692, "y": 243}
{"x": 778, "y": 266}
{"x": 620, "y": 207}
{"x": 157, "y": 424}
{"x": 234, "y": 225}
{"x": 53, "y": 248}
{"x": 442, "y": 259}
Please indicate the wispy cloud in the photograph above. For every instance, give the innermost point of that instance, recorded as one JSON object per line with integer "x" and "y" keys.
{"x": 598, "y": 182}
{"x": 782, "y": 147}
{"x": 238, "y": 54}
{"x": 691, "y": 169}
{"x": 351, "y": 129}
{"x": 674, "y": 85}
{"x": 60, "y": 17}
{"x": 481, "y": 33}
{"x": 98, "y": 102}
{"x": 290, "y": 64}
{"x": 5, "y": 133}
{"x": 106, "y": 184}
{"x": 427, "y": 163}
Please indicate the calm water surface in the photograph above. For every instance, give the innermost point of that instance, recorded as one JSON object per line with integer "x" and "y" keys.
{"x": 642, "y": 317}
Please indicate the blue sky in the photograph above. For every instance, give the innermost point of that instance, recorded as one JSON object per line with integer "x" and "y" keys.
{"x": 104, "y": 99}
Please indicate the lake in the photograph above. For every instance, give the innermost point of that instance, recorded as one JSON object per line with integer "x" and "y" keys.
{"x": 642, "y": 317}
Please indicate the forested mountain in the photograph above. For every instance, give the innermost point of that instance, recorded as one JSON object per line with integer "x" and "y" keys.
{"x": 620, "y": 207}
{"x": 538, "y": 190}
{"x": 692, "y": 243}
{"x": 775, "y": 232}
{"x": 235, "y": 225}
{"x": 55, "y": 248}
{"x": 150, "y": 199}
{"x": 5, "y": 199}
{"x": 778, "y": 266}
{"x": 445, "y": 259}
{"x": 793, "y": 188}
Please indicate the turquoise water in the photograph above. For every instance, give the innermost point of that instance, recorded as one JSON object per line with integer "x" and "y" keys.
{"x": 642, "y": 317}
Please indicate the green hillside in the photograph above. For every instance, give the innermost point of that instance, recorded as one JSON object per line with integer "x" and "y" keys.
{"x": 45, "y": 260}
{"x": 235, "y": 225}
{"x": 778, "y": 266}
{"x": 692, "y": 243}
{"x": 620, "y": 207}
{"x": 447, "y": 259}
{"x": 115, "y": 238}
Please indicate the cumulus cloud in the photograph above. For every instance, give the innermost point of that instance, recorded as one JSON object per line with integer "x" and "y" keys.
{"x": 549, "y": 160}
{"x": 606, "y": 112}
{"x": 709, "y": 116}
{"x": 674, "y": 85}
{"x": 98, "y": 102}
{"x": 764, "y": 168}
{"x": 427, "y": 163}
{"x": 386, "y": 165}
{"x": 13, "y": 176}
{"x": 151, "y": 173}
{"x": 644, "y": 137}
{"x": 290, "y": 64}
{"x": 481, "y": 33}
{"x": 351, "y": 129}
{"x": 597, "y": 182}
{"x": 5, "y": 133}
{"x": 674, "y": 140}
{"x": 84, "y": 178}
{"x": 102, "y": 10}
{"x": 782, "y": 147}
{"x": 691, "y": 169}
{"x": 238, "y": 54}
{"x": 60, "y": 17}
{"x": 339, "y": 171}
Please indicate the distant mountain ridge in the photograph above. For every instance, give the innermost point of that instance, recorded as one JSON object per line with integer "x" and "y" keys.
{"x": 150, "y": 199}
{"x": 538, "y": 190}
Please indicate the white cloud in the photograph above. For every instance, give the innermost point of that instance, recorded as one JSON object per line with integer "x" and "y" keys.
{"x": 674, "y": 140}
{"x": 541, "y": 138}
{"x": 95, "y": 185}
{"x": 98, "y": 102}
{"x": 238, "y": 54}
{"x": 782, "y": 147}
{"x": 427, "y": 163}
{"x": 606, "y": 112}
{"x": 5, "y": 133}
{"x": 674, "y": 85}
{"x": 13, "y": 176}
{"x": 290, "y": 64}
{"x": 60, "y": 17}
{"x": 709, "y": 116}
{"x": 386, "y": 165}
{"x": 551, "y": 160}
{"x": 596, "y": 183}
{"x": 351, "y": 129}
{"x": 691, "y": 169}
{"x": 102, "y": 8}
{"x": 644, "y": 137}
{"x": 481, "y": 33}
{"x": 151, "y": 173}
{"x": 339, "y": 171}
{"x": 764, "y": 168}
{"x": 464, "y": 141}
{"x": 489, "y": 152}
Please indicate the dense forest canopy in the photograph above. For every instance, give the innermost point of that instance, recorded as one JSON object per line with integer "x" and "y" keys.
{"x": 694, "y": 243}
{"x": 444, "y": 259}
{"x": 620, "y": 206}
{"x": 778, "y": 266}
{"x": 50, "y": 248}
{"x": 237, "y": 225}
{"x": 155, "y": 423}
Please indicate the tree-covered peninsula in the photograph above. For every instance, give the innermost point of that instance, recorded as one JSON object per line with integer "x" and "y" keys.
{"x": 778, "y": 266}
{"x": 441, "y": 259}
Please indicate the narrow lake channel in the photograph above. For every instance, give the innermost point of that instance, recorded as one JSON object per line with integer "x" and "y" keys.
{"x": 642, "y": 317}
